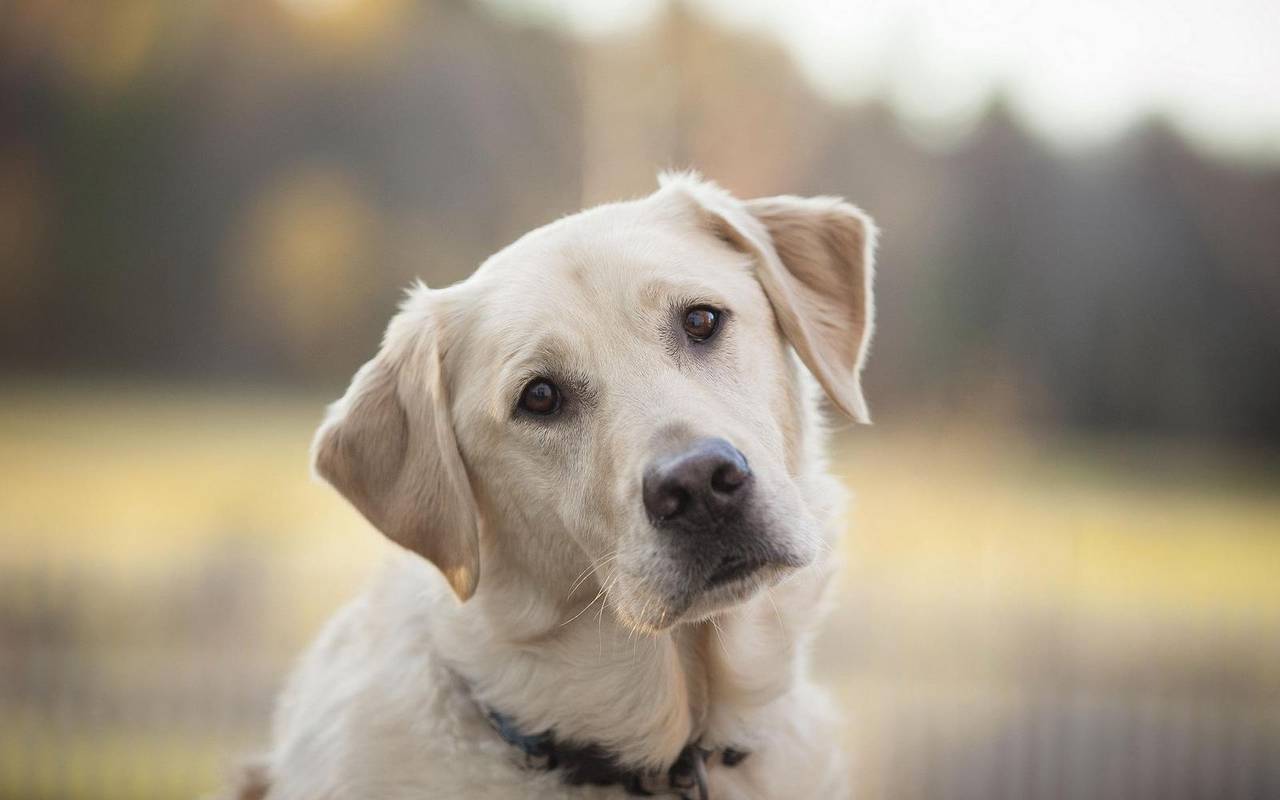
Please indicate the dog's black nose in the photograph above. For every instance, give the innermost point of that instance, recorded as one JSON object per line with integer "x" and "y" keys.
{"x": 697, "y": 486}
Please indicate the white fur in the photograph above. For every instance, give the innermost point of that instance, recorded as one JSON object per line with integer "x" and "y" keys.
{"x": 565, "y": 626}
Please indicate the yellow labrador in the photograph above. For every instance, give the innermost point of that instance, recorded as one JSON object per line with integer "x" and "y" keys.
{"x": 607, "y": 443}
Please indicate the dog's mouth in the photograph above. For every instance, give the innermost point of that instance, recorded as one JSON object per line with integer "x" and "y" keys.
{"x": 734, "y": 568}
{"x": 734, "y": 580}
{"x": 706, "y": 583}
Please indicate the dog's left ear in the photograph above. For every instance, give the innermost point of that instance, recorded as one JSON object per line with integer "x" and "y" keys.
{"x": 815, "y": 260}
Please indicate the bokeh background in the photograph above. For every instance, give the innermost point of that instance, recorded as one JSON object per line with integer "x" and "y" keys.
{"x": 1063, "y": 567}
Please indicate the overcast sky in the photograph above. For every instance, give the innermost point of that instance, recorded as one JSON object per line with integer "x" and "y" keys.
{"x": 1078, "y": 71}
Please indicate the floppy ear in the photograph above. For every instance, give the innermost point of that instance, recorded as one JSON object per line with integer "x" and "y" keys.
{"x": 814, "y": 259}
{"x": 388, "y": 446}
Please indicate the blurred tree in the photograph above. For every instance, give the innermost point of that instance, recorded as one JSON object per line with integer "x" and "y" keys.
{"x": 240, "y": 190}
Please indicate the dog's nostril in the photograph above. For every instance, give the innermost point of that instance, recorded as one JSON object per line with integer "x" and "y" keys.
{"x": 668, "y": 502}
{"x": 729, "y": 477}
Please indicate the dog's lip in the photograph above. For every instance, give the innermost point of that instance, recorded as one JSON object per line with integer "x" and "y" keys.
{"x": 733, "y": 568}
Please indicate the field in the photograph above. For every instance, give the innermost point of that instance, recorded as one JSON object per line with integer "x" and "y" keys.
{"x": 1019, "y": 615}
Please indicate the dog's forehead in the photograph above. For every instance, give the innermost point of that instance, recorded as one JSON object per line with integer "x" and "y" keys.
{"x": 601, "y": 265}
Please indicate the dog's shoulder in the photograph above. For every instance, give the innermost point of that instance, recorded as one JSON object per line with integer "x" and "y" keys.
{"x": 372, "y": 710}
{"x": 370, "y": 676}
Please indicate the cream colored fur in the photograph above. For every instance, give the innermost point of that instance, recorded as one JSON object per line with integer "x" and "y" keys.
{"x": 555, "y": 604}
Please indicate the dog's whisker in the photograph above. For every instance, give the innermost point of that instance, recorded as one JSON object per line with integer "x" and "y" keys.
{"x": 720, "y": 637}
{"x": 631, "y": 629}
{"x": 582, "y": 576}
{"x": 640, "y": 628}
{"x": 644, "y": 613}
{"x": 600, "y": 594}
{"x": 591, "y": 568}
{"x": 600, "y": 614}
{"x": 782, "y": 626}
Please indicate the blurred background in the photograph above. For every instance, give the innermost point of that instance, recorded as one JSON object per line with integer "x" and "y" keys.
{"x": 1063, "y": 567}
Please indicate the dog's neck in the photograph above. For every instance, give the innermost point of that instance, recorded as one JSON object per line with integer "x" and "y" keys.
{"x": 642, "y": 697}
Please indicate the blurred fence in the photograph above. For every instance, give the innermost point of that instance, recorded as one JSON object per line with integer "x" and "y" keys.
{"x": 112, "y": 690}
{"x": 115, "y": 690}
{"x": 1063, "y": 742}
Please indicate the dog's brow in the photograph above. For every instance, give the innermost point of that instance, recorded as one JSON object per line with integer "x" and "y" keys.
{"x": 660, "y": 291}
{"x": 543, "y": 348}
{"x": 542, "y": 357}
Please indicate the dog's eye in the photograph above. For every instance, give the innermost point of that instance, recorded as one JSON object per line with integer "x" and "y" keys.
{"x": 701, "y": 323}
{"x": 540, "y": 396}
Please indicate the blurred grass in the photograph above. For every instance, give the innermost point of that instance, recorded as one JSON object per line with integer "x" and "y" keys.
{"x": 173, "y": 543}
{"x": 141, "y": 479}
{"x": 1104, "y": 524}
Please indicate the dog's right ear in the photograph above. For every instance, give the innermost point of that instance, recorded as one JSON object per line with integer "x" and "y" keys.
{"x": 388, "y": 446}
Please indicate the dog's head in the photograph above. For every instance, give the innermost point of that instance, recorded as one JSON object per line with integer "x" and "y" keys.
{"x": 613, "y": 400}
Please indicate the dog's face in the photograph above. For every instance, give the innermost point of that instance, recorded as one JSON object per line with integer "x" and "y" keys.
{"x": 614, "y": 397}
{"x": 622, "y": 383}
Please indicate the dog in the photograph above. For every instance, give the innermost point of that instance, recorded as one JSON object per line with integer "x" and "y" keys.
{"x": 603, "y": 458}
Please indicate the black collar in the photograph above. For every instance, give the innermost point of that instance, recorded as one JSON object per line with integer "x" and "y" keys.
{"x": 593, "y": 764}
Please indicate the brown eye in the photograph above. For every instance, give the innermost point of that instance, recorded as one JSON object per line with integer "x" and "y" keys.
{"x": 540, "y": 396}
{"x": 701, "y": 323}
